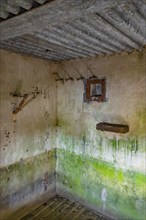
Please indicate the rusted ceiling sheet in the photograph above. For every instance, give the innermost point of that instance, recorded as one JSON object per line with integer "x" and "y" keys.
{"x": 114, "y": 28}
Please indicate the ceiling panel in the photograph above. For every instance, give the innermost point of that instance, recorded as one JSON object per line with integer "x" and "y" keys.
{"x": 114, "y": 29}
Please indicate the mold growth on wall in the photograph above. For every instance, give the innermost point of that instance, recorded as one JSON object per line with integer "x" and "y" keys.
{"x": 27, "y": 154}
{"x": 31, "y": 132}
{"x": 102, "y": 185}
{"x": 104, "y": 170}
{"x": 122, "y": 151}
{"x": 27, "y": 179}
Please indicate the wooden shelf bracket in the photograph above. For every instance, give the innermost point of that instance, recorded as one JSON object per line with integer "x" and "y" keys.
{"x": 21, "y": 104}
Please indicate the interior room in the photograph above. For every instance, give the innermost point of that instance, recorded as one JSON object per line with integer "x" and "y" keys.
{"x": 73, "y": 109}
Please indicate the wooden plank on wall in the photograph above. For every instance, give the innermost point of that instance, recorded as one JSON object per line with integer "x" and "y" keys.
{"x": 118, "y": 128}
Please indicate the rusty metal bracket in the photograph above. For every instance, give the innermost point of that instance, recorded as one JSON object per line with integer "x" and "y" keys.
{"x": 18, "y": 109}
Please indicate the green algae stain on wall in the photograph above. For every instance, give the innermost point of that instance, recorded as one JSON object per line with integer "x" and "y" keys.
{"x": 86, "y": 177}
{"x": 122, "y": 151}
{"x": 142, "y": 122}
{"x": 26, "y": 178}
{"x": 81, "y": 166}
{"x": 89, "y": 163}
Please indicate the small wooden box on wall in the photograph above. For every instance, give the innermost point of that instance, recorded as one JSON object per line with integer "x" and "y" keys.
{"x": 118, "y": 128}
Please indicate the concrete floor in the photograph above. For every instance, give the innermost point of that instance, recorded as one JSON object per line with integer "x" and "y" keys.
{"x": 58, "y": 208}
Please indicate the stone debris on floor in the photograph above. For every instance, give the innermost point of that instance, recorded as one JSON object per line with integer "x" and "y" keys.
{"x": 59, "y": 208}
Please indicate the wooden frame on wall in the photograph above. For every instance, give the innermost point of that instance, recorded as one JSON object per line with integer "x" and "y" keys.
{"x": 96, "y": 90}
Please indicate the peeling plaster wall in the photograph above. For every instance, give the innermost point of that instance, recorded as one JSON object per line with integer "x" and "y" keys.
{"x": 27, "y": 147}
{"x": 103, "y": 170}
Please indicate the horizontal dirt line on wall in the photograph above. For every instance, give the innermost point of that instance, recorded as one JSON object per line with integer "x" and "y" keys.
{"x": 29, "y": 159}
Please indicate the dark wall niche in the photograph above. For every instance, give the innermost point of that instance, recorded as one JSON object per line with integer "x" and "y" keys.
{"x": 95, "y": 90}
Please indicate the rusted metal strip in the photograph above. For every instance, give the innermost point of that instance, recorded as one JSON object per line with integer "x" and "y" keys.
{"x": 18, "y": 109}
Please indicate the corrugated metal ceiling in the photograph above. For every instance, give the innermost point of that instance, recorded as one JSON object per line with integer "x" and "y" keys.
{"x": 112, "y": 30}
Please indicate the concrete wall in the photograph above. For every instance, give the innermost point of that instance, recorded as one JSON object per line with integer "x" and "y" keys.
{"x": 27, "y": 139}
{"x": 103, "y": 170}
